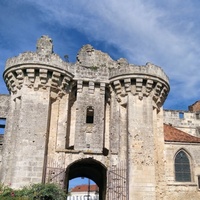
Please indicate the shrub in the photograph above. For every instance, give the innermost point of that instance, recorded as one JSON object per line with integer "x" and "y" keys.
{"x": 47, "y": 191}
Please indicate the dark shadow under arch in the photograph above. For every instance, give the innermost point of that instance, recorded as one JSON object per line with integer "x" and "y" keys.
{"x": 91, "y": 169}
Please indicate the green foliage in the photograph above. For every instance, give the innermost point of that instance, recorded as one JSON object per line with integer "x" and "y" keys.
{"x": 95, "y": 68}
{"x": 33, "y": 192}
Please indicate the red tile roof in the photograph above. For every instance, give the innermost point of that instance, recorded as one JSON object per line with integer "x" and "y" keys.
{"x": 84, "y": 188}
{"x": 172, "y": 134}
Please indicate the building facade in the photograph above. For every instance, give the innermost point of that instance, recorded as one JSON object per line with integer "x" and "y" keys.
{"x": 84, "y": 192}
{"x": 96, "y": 118}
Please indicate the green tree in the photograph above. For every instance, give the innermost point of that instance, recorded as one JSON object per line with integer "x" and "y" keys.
{"x": 47, "y": 191}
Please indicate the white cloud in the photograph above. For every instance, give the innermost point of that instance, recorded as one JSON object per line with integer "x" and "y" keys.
{"x": 164, "y": 33}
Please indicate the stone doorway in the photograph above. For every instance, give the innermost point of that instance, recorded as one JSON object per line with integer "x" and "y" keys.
{"x": 91, "y": 169}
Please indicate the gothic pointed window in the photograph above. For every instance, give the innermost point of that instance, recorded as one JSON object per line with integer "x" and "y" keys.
{"x": 182, "y": 167}
{"x": 90, "y": 115}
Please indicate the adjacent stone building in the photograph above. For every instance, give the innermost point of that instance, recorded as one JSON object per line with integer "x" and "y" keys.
{"x": 96, "y": 118}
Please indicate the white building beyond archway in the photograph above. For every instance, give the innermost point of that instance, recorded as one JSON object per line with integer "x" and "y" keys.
{"x": 84, "y": 192}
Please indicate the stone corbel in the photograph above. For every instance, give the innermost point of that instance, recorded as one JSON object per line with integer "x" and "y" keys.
{"x": 163, "y": 95}
{"x": 79, "y": 86}
{"x": 91, "y": 87}
{"x": 55, "y": 79}
{"x": 127, "y": 85}
{"x": 149, "y": 86}
{"x": 43, "y": 76}
{"x": 117, "y": 87}
{"x": 139, "y": 85}
{"x": 31, "y": 75}
{"x": 102, "y": 88}
{"x": 156, "y": 97}
{"x": 8, "y": 84}
{"x": 65, "y": 84}
{"x": 20, "y": 77}
{"x": 157, "y": 89}
{"x": 13, "y": 82}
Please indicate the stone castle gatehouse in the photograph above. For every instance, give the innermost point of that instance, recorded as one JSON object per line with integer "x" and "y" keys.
{"x": 96, "y": 118}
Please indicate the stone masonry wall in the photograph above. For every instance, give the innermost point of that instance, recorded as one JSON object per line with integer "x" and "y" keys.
{"x": 4, "y": 111}
{"x": 4, "y": 105}
{"x": 186, "y": 121}
{"x": 27, "y": 140}
{"x": 90, "y": 136}
{"x": 182, "y": 190}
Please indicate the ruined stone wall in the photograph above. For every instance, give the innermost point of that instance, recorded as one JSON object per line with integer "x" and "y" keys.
{"x": 186, "y": 121}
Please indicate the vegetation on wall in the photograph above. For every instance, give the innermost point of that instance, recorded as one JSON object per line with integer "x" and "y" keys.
{"x": 47, "y": 191}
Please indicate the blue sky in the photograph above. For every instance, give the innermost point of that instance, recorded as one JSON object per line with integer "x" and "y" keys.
{"x": 80, "y": 181}
{"x": 165, "y": 33}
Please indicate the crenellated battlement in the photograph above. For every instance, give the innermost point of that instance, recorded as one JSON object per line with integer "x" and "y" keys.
{"x": 143, "y": 81}
{"x": 130, "y": 70}
{"x": 43, "y": 68}
{"x": 40, "y": 69}
{"x": 44, "y": 56}
{"x": 51, "y": 60}
{"x": 96, "y": 74}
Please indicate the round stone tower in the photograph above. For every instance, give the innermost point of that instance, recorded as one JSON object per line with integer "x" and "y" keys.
{"x": 138, "y": 93}
{"x": 35, "y": 80}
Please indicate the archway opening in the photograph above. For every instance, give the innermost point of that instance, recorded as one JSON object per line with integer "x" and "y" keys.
{"x": 83, "y": 188}
{"x": 90, "y": 169}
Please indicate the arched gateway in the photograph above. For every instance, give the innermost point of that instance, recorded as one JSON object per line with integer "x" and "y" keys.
{"x": 91, "y": 169}
{"x": 97, "y": 118}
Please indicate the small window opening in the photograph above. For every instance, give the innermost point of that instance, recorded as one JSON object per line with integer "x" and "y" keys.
{"x": 198, "y": 181}
{"x": 2, "y": 125}
{"x": 197, "y": 115}
{"x": 90, "y": 115}
{"x": 181, "y": 115}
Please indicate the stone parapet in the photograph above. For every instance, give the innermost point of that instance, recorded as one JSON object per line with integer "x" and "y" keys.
{"x": 127, "y": 70}
{"x": 44, "y": 56}
{"x": 144, "y": 81}
{"x": 92, "y": 58}
{"x": 40, "y": 69}
{"x": 93, "y": 64}
{"x": 51, "y": 60}
{"x": 96, "y": 74}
